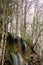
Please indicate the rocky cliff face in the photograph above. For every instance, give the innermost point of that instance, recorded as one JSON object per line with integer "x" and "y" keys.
{"x": 29, "y": 58}
{"x": 21, "y": 47}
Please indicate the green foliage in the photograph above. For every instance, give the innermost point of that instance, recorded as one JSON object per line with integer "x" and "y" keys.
{"x": 9, "y": 47}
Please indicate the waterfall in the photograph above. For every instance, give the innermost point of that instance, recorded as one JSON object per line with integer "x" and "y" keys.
{"x": 14, "y": 59}
{"x": 25, "y": 44}
{"x": 20, "y": 60}
{"x": 24, "y": 48}
{"x": 22, "y": 43}
{"x": 17, "y": 59}
{"x": 26, "y": 63}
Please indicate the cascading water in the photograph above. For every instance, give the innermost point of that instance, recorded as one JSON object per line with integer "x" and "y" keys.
{"x": 20, "y": 60}
{"x": 26, "y": 63}
{"x": 17, "y": 59}
{"x": 25, "y": 44}
{"x": 24, "y": 48}
{"x": 14, "y": 59}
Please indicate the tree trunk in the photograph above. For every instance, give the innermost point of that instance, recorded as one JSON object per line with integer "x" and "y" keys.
{"x": 21, "y": 19}
{"x": 4, "y": 44}
{"x": 4, "y": 35}
{"x": 17, "y": 19}
{"x": 25, "y": 18}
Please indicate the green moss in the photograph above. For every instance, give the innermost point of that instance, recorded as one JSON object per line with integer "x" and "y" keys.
{"x": 9, "y": 47}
